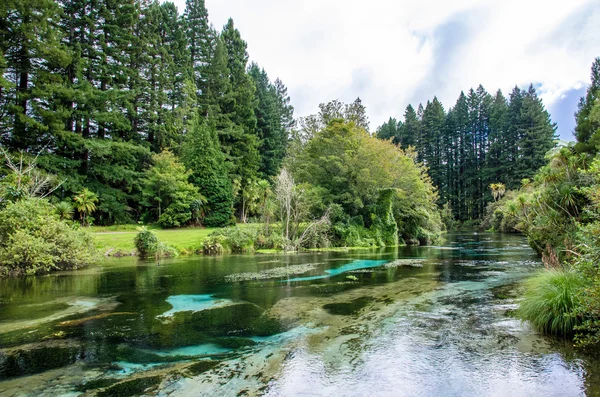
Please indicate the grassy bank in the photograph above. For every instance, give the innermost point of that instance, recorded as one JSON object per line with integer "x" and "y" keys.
{"x": 119, "y": 240}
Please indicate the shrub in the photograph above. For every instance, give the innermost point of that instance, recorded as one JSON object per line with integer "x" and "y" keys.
{"x": 34, "y": 240}
{"x": 232, "y": 239}
{"x": 146, "y": 243}
{"x": 64, "y": 210}
{"x": 551, "y": 300}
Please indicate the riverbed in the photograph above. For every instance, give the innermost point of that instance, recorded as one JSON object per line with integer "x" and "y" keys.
{"x": 405, "y": 321}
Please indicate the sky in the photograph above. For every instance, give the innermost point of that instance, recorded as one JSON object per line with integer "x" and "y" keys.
{"x": 392, "y": 53}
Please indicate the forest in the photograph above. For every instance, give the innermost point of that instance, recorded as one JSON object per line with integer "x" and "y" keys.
{"x": 483, "y": 139}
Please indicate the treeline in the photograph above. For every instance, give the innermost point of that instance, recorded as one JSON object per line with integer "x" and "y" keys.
{"x": 483, "y": 139}
{"x": 100, "y": 88}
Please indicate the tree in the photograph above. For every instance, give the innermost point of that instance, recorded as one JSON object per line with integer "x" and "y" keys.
{"x": 167, "y": 191}
{"x": 240, "y": 141}
{"x": 357, "y": 113}
{"x": 351, "y": 169}
{"x": 200, "y": 38}
{"x": 34, "y": 59}
{"x": 537, "y": 134}
{"x": 587, "y": 130}
{"x": 202, "y": 156}
{"x": 85, "y": 203}
{"x": 390, "y": 130}
{"x": 270, "y": 124}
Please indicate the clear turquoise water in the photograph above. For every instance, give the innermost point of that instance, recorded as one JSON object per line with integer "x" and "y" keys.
{"x": 442, "y": 329}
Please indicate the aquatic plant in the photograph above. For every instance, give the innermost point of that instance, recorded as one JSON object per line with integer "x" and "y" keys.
{"x": 550, "y": 301}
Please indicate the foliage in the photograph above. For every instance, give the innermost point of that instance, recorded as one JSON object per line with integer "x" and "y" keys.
{"x": 550, "y": 301}
{"x": 167, "y": 192}
{"x": 85, "y": 204}
{"x": 355, "y": 171}
{"x": 96, "y": 88}
{"x": 483, "y": 139}
{"x": 231, "y": 239}
{"x": 146, "y": 242}
{"x": 64, "y": 210}
{"x": 559, "y": 211}
{"x": 33, "y": 240}
{"x": 587, "y": 130}
{"x": 202, "y": 155}
{"x": 24, "y": 179}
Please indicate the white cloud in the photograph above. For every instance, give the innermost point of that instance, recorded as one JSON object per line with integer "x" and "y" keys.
{"x": 393, "y": 52}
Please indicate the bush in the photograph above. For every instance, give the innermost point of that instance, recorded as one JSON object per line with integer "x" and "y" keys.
{"x": 33, "y": 240}
{"x": 146, "y": 243}
{"x": 551, "y": 300}
{"x": 233, "y": 239}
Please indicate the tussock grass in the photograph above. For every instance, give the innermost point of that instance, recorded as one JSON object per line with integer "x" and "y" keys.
{"x": 550, "y": 300}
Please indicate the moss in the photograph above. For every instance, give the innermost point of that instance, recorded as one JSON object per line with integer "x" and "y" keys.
{"x": 95, "y": 384}
{"x": 134, "y": 387}
{"x": 348, "y": 308}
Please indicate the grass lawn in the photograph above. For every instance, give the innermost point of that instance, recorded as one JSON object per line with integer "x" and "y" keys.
{"x": 119, "y": 238}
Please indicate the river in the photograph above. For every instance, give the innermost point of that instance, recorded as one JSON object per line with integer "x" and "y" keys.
{"x": 407, "y": 321}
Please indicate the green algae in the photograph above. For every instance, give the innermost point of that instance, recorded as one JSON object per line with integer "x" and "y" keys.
{"x": 276, "y": 272}
{"x": 33, "y": 361}
{"x": 96, "y": 384}
{"x": 348, "y": 308}
{"x": 200, "y": 367}
{"x": 133, "y": 387}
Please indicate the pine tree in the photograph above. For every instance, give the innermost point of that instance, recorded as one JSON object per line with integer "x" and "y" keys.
{"x": 273, "y": 139}
{"x": 409, "y": 130}
{"x": 286, "y": 110}
{"x": 433, "y": 127}
{"x": 241, "y": 141}
{"x": 537, "y": 134}
{"x": 35, "y": 58}
{"x": 587, "y": 130}
{"x": 202, "y": 155}
{"x": 200, "y": 41}
{"x": 497, "y": 164}
{"x": 389, "y": 130}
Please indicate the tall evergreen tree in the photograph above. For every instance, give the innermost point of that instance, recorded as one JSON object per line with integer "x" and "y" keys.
{"x": 409, "y": 130}
{"x": 273, "y": 139}
{"x": 390, "y": 130}
{"x": 200, "y": 40}
{"x": 587, "y": 130}
{"x": 537, "y": 134}
{"x": 202, "y": 155}
{"x": 30, "y": 40}
{"x": 241, "y": 141}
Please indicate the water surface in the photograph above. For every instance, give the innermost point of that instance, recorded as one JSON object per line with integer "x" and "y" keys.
{"x": 426, "y": 321}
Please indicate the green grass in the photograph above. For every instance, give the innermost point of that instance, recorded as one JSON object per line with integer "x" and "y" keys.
{"x": 550, "y": 300}
{"x": 119, "y": 238}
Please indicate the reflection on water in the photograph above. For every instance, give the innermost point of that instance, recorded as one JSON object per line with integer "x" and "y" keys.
{"x": 431, "y": 321}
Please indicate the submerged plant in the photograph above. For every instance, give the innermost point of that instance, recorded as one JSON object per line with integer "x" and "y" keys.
{"x": 550, "y": 301}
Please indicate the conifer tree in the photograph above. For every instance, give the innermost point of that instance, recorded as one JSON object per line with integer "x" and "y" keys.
{"x": 240, "y": 141}
{"x": 587, "y": 130}
{"x": 202, "y": 155}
